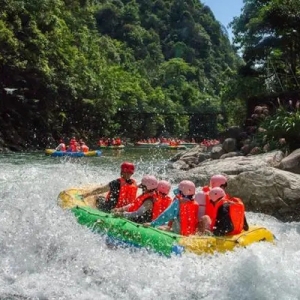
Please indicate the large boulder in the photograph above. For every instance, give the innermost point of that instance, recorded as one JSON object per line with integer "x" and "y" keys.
{"x": 268, "y": 190}
{"x": 254, "y": 179}
{"x": 291, "y": 163}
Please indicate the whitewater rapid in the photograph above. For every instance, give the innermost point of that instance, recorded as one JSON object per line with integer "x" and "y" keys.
{"x": 46, "y": 254}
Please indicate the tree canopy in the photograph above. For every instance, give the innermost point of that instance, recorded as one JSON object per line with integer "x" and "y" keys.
{"x": 80, "y": 66}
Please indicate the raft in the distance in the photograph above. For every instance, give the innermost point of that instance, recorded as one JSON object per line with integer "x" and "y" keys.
{"x": 54, "y": 153}
{"x": 123, "y": 231}
{"x": 112, "y": 147}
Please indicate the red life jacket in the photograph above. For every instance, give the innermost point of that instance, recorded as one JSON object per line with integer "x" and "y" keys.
{"x": 236, "y": 213}
{"x": 73, "y": 147}
{"x": 160, "y": 204}
{"x": 127, "y": 193}
{"x": 209, "y": 207}
{"x": 188, "y": 215}
{"x": 138, "y": 202}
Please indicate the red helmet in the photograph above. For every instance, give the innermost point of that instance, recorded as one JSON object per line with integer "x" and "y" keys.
{"x": 187, "y": 187}
{"x": 150, "y": 182}
{"x": 127, "y": 167}
{"x": 164, "y": 187}
{"x": 217, "y": 181}
{"x": 216, "y": 193}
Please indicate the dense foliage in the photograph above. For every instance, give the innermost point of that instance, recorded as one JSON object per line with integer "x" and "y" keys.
{"x": 132, "y": 68}
{"x": 267, "y": 35}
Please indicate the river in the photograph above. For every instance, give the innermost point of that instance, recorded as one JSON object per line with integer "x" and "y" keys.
{"x": 46, "y": 254}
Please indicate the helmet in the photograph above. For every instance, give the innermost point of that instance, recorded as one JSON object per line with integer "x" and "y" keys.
{"x": 216, "y": 194}
{"x": 164, "y": 187}
{"x": 127, "y": 167}
{"x": 150, "y": 182}
{"x": 187, "y": 187}
{"x": 217, "y": 181}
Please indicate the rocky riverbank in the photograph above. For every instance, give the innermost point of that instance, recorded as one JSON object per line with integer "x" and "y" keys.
{"x": 268, "y": 183}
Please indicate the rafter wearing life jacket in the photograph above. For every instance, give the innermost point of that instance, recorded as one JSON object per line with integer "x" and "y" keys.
{"x": 127, "y": 193}
{"x": 188, "y": 214}
{"x": 232, "y": 216}
{"x": 160, "y": 204}
{"x": 146, "y": 216}
{"x": 202, "y": 198}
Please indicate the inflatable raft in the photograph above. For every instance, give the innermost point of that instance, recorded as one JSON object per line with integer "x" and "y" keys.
{"x": 124, "y": 232}
{"x": 112, "y": 147}
{"x": 54, "y": 153}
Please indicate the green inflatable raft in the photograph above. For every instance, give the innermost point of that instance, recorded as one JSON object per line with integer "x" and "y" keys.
{"x": 121, "y": 231}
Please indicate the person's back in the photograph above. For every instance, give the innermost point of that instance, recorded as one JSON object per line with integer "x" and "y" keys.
{"x": 163, "y": 200}
{"x": 229, "y": 214}
{"x": 61, "y": 146}
{"x": 183, "y": 211}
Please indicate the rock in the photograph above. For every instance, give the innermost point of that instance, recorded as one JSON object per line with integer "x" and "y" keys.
{"x": 228, "y": 166}
{"x": 291, "y": 163}
{"x": 232, "y": 132}
{"x": 270, "y": 191}
{"x": 216, "y": 152}
{"x": 262, "y": 187}
{"x": 229, "y": 145}
{"x": 246, "y": 149}
{"x": 231, "y": 154}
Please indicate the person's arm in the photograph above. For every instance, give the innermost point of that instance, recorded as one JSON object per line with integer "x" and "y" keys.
{"x": 146, "y": 206}
{"x": 97, "y": 191}
{"x": 169, "y": 214}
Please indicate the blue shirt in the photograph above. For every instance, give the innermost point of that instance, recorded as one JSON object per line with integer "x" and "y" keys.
{"x": 171, "y": 213}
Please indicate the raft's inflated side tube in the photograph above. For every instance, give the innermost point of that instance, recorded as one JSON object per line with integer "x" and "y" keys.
{"x": 121, "y": 231}
{"x": 128, "y": 232}
{"x": 55, "y": 153}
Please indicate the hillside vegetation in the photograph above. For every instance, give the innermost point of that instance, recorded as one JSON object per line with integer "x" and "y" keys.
{"x": 105, "y": 68}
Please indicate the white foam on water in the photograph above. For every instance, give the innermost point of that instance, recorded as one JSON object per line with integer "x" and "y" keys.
{"x": 46, "y": 254}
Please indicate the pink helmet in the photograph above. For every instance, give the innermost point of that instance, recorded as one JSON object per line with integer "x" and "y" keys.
{"x": 187, "y": 187}
{"x": 217, "y": 181}
{"x": 164, "y": 187}
{"x": 150, "y": 182}
{"x": 216, "y": 194}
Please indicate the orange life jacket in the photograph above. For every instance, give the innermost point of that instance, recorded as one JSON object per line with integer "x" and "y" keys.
{"x": 236, "y": 213}
{"x": 160, "y": 204}
{"x": 188, "y": 215}
{"x": 127, "y": 193}
{"x": 138, "y": 202}
{"x": 85, "y": 148}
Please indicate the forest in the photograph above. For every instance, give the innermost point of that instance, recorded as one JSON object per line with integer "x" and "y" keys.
{"x": 140, "y": 68}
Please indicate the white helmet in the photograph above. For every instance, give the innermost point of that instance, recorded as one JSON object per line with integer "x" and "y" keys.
{"x": 150, "y": 182}
{"x": 216, "y": 193}
{"x": 217, "y": 181}
{"x": 164, "y": 187}
{"x": 187, "y": 187}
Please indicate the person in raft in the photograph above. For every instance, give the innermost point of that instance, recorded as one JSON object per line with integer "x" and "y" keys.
{"x": 120, "y": 192}
{"x": 206, "y": 207}
{"x": 151, "y": 203}
{"x": 228, "y": 214}
{"x": 61, "y": 146}
{"x": 183, "y": 211}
